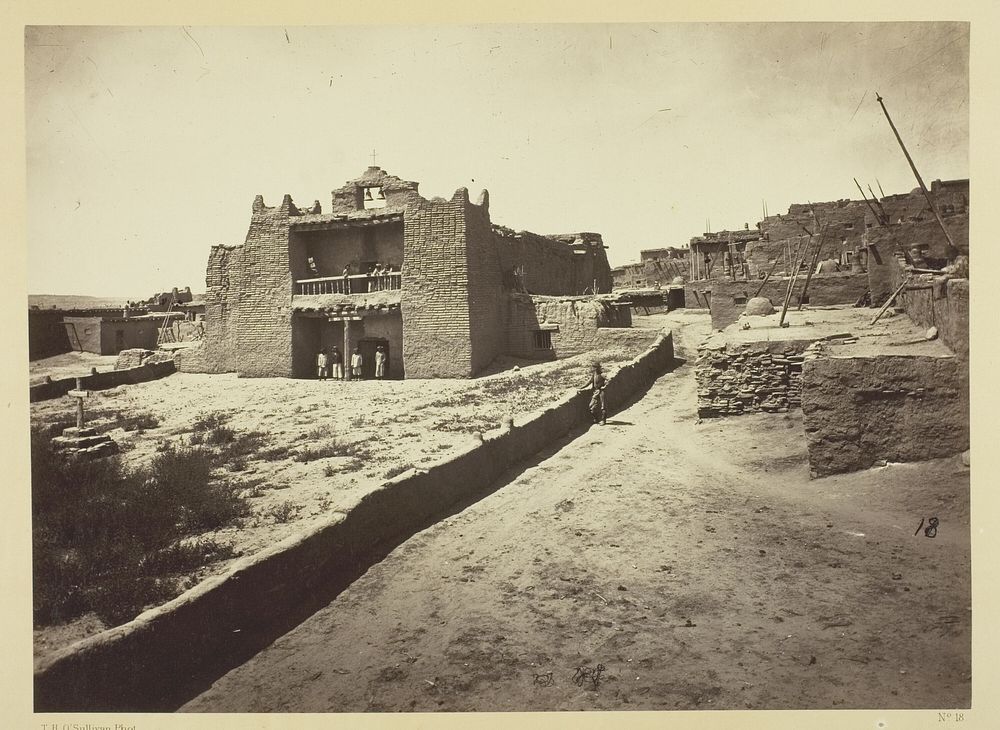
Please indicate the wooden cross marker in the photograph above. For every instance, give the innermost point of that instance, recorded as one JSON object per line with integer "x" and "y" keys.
{"x": 373, "y": 157}
{"x": 80, "y": 394}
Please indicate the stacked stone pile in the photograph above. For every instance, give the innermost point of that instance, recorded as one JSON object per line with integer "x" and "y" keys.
{"x": 748, "y": 379}
{"x": 85, "y": 443}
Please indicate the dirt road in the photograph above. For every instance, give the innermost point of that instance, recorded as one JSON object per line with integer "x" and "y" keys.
{"x": 695, "y": 562}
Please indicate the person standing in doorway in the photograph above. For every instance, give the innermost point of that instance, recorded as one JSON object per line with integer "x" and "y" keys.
{"x": 338, "y": 364}
{"x": 322, "y": 365}
{"x": 356, "y": 364}
{"x": 380, "y": 362}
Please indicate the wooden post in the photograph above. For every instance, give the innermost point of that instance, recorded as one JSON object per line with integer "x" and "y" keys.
{"x": 812, "y": 267}
{"x": 803, "y": 248}
{"x": 347, "y": 351}
{"x": 766, "y": 277}
{"x": 79, "y": 394}
{"x": 888, "y": 302}
{"x": 952, "y": 249}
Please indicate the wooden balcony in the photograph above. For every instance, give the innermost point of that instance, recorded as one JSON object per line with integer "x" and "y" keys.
{"x": 353, "y": 284}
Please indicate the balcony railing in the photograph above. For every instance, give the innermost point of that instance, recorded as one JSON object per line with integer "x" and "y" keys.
{"x": 353, "y": 284}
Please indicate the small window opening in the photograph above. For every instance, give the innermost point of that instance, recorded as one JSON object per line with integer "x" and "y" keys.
{"x": 543, "y": 340}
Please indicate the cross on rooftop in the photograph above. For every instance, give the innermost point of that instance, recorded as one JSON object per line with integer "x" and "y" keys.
{"x": 373, "y": 157}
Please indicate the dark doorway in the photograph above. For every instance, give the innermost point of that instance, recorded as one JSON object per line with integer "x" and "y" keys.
{"x": 119, "y": 341}
{"x": 368, "y": 347}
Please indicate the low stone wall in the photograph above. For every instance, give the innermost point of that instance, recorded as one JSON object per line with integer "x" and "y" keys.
{"x": 140, "y": 665}
{"x": 862, "y": 410}
{"x": 749, "y": 378}
{"x": 101, "y": 381}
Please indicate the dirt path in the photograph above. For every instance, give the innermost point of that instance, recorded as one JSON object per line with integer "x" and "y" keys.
{"x": 695, "y": 561}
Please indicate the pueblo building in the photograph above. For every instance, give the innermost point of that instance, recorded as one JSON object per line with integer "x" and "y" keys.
{"x": 450, "y": 290}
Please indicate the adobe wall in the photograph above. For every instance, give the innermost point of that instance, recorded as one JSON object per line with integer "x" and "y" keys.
{"x": 102, "y": 381}
{"x": 845, "y": 222}
{"x": 548, "y": 266}
{"x": 944, "y": 304}
{"x": 434, "y": 300}
{"x": 224, "y": 284}
{"x": 863, "y": 410}
{"x": 85, "y": 333}
{"x": 486, "y": 295}
{"x": 824, "y": 290}
{"x": 159, "y": 660}
{"x": 193, "y": 359}
{"x": 399, "y": 193}
{"x": 650, "y": 272}
{"x": 46, "y": 333}
{"x": 263, "y": 319}
{"x": 574, "y": 325}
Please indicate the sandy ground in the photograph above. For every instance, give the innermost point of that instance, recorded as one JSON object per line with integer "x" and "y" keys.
{"x": 694, "y": 561}
{"x": 389, "y": 425}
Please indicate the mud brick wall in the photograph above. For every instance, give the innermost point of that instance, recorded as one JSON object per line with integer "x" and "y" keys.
{"x": 224, "y": 283}
{"x": 46, "y": 333}
{"x": 941, "y": 303}
{"x": 749, "y": 379}
{"x": 435, "y": 294}
{"x": 884, "y": 242}
{"x": 862, "y": 410}
{"x": 547, "y": 264}
{"x": 264, "y": 331}
{"x": 487, "y": 298}
{"x": 574, "y": 325}
{"x": 193, "y": 359}
{"x": 650, "y": 272}
{"x": 845, "y": 222}
{"x": 824, "y": 290}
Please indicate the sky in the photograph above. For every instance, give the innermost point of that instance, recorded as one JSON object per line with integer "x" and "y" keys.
{"x": 147, "y": 145}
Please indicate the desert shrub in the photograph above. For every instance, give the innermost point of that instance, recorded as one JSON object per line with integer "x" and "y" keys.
{"x": 210, "y": 422}
{"x": 282, "y": 512}
{"x": 397, "y": 470}
{"x": 275, "y": 453}
{"x": 103, "y": 535}
{"x": 138, "y": 422}
{"x": 331, "y": 448}
{"x": 220, "y": 435}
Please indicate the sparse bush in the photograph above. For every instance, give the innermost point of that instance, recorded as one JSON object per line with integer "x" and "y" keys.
{"x": 220, "y": 435}
{"x": 329, "y": 449}
{"x": 138, "y": 422}
{"x": 103, "y": 535}
{"x": 210, "y": 422}
{"x": 397, "y": 470}
{"x": 275, "y": 453}
{"x": 329, "y": 470}
{"x": 283, "y": 512}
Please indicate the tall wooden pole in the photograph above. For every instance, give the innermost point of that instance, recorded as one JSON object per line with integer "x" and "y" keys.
{"x": 812, "y": 267}
{"x": 952, "y": 249}
{"x": 870, "y": 206}
{"x": 800, "y": 252}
